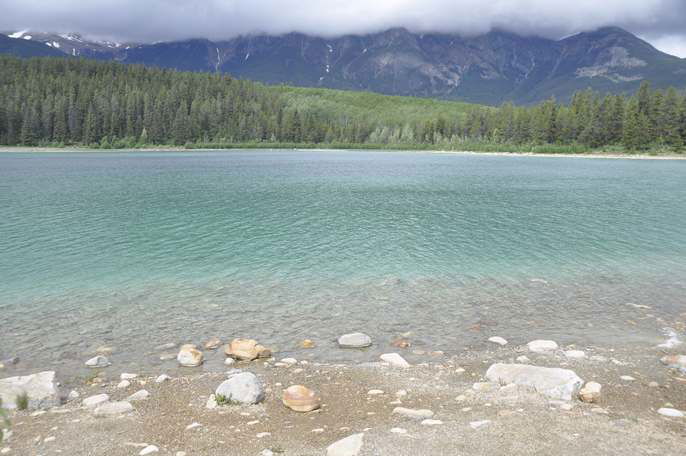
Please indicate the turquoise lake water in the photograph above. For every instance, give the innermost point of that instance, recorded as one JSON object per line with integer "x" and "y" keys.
{"x": 135, "y": 249}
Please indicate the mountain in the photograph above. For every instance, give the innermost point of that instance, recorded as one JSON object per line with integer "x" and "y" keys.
{"x": 26, "y": 48}
{"x": 491, "y": 68}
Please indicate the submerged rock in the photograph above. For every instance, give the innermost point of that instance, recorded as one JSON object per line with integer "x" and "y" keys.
{"x": 40, "y": 388}
{"x": 542, "y": 346}
{"x": 246, "y": 350}
{"x": 307, "y": 343}
{"x": 354, "y": 340}
{"x": 675, "y": 362}
{"x": 300, "y": 399}
{"x": 555, "y": 383}
{"x": 401, "y": 343}
{"x": 244, "y": 388}
{"x": 98, "y": 362}
{"x": 213, "y": 343}
{"x": 590, "y": 392}
{"x": 349, "y": 446}
{"x": 189, "y": 356}
{"x": 394, "y": 360}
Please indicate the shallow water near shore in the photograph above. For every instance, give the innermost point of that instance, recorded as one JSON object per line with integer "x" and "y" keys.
{"x": 136, "y": 249}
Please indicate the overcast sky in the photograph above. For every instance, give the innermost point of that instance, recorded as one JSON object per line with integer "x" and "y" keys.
{"x": 662, "y": 22}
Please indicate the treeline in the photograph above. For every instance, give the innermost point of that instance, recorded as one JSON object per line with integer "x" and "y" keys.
{"x": 56, "y": 102}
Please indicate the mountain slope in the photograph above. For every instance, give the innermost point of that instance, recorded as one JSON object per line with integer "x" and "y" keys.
{"x": 490, "y": 68}
{"x": 26, "y": 48}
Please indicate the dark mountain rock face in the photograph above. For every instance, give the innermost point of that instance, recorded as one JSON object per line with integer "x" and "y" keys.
{"x": 491, "y": 68}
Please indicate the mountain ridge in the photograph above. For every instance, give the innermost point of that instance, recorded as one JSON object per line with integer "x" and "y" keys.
{"x": 491, "y": 68}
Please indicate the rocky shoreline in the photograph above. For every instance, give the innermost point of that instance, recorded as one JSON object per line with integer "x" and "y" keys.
{"x": 535, "y": 398}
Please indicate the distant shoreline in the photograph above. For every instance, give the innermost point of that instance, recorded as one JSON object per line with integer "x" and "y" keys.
{"x": 19, "y": 149}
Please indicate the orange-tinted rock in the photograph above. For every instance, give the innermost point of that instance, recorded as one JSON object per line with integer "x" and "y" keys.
{"x": 300, "y": 399}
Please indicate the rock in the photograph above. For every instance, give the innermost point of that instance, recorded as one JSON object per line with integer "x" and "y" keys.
{"x": 555, "y": 383}
{"x": 397, "y": 430}
{"x": 675, "y": 362}
{"x": 189, "y": 356}
{"x": 104, "y": 350}
{"x": 483, "y": 386}
{"x": 400, "y": 343}
{"x": 124, "y": 384}
{"x": 415, "y": 414}
{"x": 113, "y": 408}
{"x": 266, "y": 452}
{"x": 73, "y": 394}
{"x": 94, "y": 401}
{"x": 599, "y": 358}
{"x": 211, "y": 402}
{"x": 575, "y": 354}
{"x": 243, "y": 349}
{"x": 542, "y": 346}
{"x": 150, "y": 449}
{"x": 261, "y": 435}
{"x": 139, "y": 396}
{"x": 349, "y": 446}
{"x": 244, "y": 388}
{"x": 478, "y": 424}
{"x": 354, "y": 340}
{"x": 98, "y": 362}
{"x": 229, "y": 362}
{"x": 498, "y": 340}
{"x": 590, "y": 392}
{"x": 432, "y": 422}
{"x": 213, "y": 343}
{"x": 653, "y": 384}
{"x": 307, "y": 343}
{"x": 670, "y": 412}
{"x": 374, "y": 392}
{"x": 523, "y": 359}
{"x": 40, "y": 388}
{"x": 300, "y": 399}
{"x": 627, "y": 378}
{"x": 394, "y": 360}
{"x": 193, "y": 426}
{"x": 162, "y": 378}
{"x": 289, "y": 361}
{"x": 167, "y": 357}
{"x": 126, "y": 376}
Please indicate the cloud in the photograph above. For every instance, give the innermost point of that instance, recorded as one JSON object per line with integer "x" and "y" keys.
{"x": 157, "y": 20}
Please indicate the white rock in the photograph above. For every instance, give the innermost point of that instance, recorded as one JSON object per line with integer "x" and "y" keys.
{"x": 113, "y": 408}
{"x": 98, "y": 362}
{"x": 673, "y": 413}
{"x": 397, "y": 430}
{"x": 73, "y": 394}
{"x": 229, "y": 361}
{"x": 211, "y": 402}
{"x": 126, "y": 376}
{"x": 266, "y": 452}
{"x": 394, "y": 360}
{"x": 244, "y": 388}
{"x": 483, "y": 386}
{"x": 575, "y": 354}
{"x": 189, "y": 356}
{"x": 40, "y": 388}
{"x": 193, "y": 426}
{"x": 498, "y": 340}
{"x": 139, "y": 395}
{"x": 94, "y": 401}
{"x": 555, "y": 383}
{"x": 590, "y": 392}
{"x": 49, "y": 439}
{"x": 263, "y": 434}
{"x": 150, "y": 449}
{"x": 124, "y": 384}
{"x": 627, "y": 378}
{"x": 374, "y": 392}
{"x": 523, "y": 359}
{"x": 162, "y": 378}
{"x": 432, "y": 422}
{"x": 349, "y": 446}
{"x": 354, "y": 340}
{"x": 415, "y": 414}
{"x": 542, "y": 346}
{"x": 180, "y": 453}
{"x": 478, "y": 424}
{"x": 289, "y": 361}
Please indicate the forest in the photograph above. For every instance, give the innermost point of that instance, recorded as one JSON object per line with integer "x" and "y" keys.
{"x": 70, "y": 102}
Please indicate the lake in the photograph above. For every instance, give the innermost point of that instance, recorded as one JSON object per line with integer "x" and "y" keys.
{"x": 137, "y": 249}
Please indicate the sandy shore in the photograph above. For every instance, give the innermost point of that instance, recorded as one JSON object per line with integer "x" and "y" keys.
{"x": 14, "y": 149}
{"x": 624, "y": 422}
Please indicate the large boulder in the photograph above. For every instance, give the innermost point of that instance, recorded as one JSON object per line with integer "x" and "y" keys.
{"x": 40, "y": 388}
{"x": 354, "y": 340}
{"x": 244, "y": 388}
{"x": 555, "y": 383}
